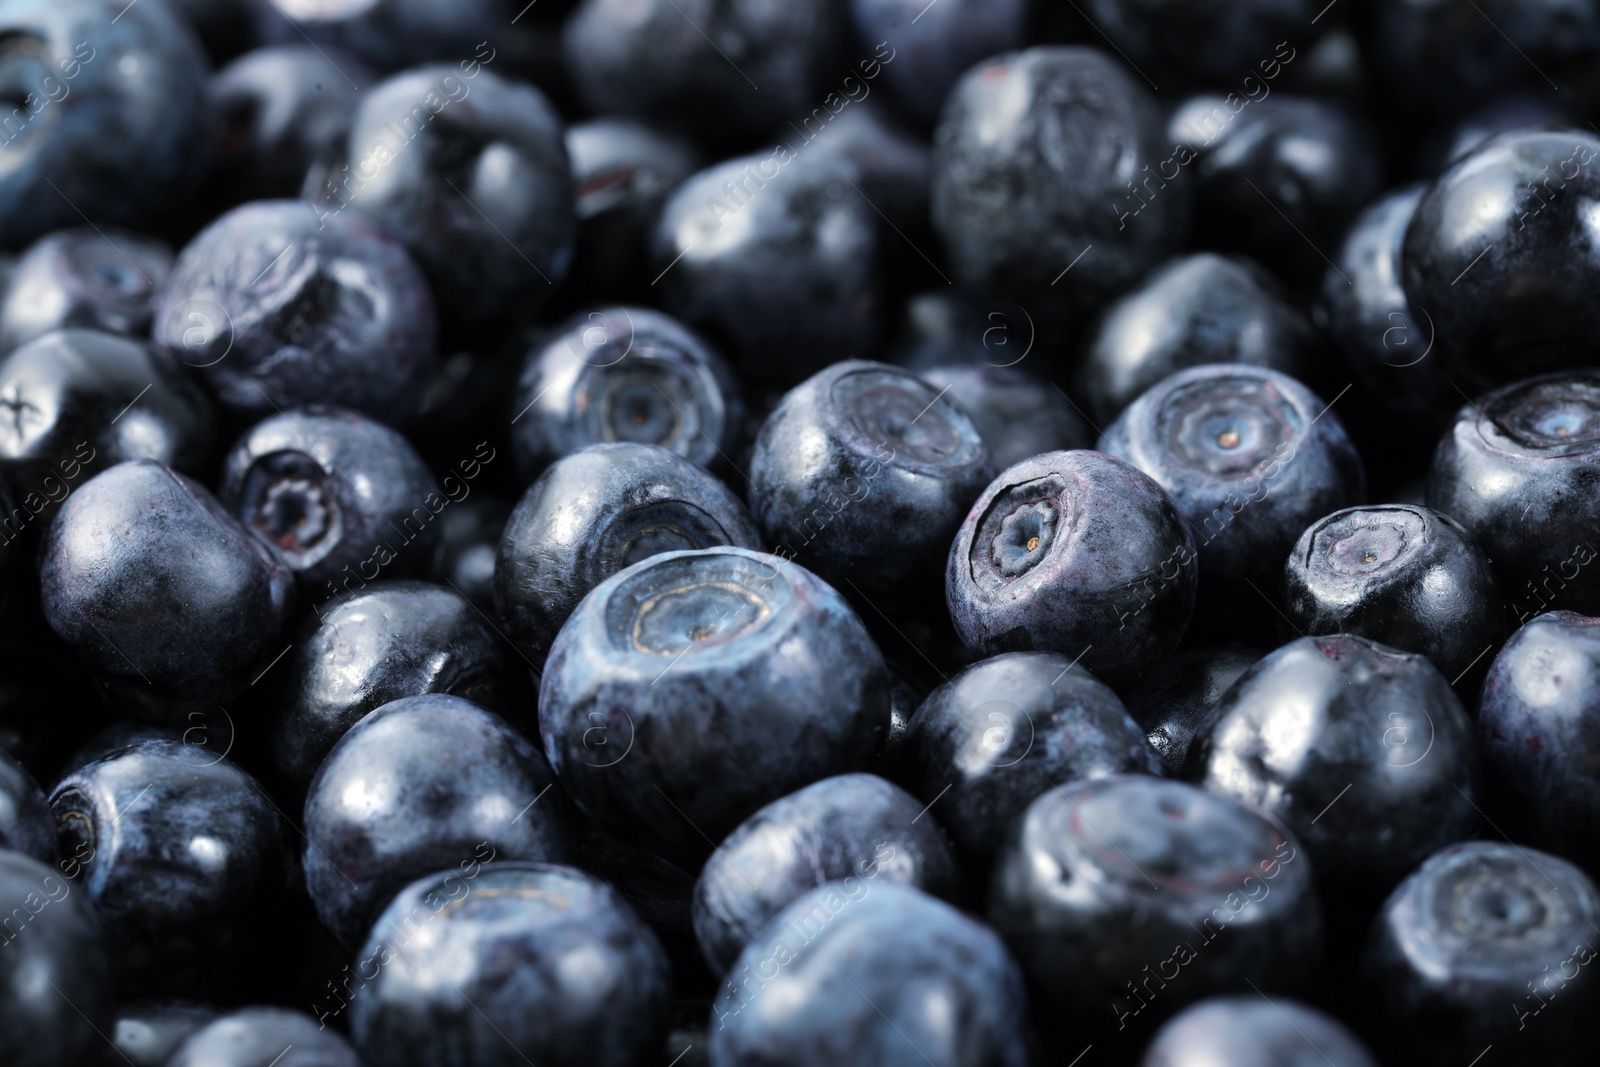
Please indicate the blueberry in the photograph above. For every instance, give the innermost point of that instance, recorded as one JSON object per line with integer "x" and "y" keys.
{"x": 1249, "y": 457}
{"x": 277, "y": 307}
{"x": 931, "y": 47}
{"x": 893, "y": 163}
{"x": 1539, "y": 735}
{"x": 340, "y": 496}
{"x": 132, "y": 142}
{"x": 394, "y": 639}
{"x": 1275, "y": 178}
{"x": 83, "y": 279}
{"x": 1004, "y": 731}
{"x": 864, "y": 972}
{"x": 148, "y": 1032}
{"x": 700, "y": 63}
{"x": 1198, "y": 308}
{"x": 595, "y": 512}
{"x": 1064, "y": 546}
{"x": 1400, "y": 574}
{"x": 775, "y": 256}
{"x": 1477, "y": 928}
{"x": 469, "y": 170}
{"x": 855, "y": 825}
{"x": 469, "y": 537}
{"x": 26, "y": 825}
{"x": 55, "y": 985}
{"x": 1131, "y": 893}
{"x": 1362, "y": 750}
{"x": 942, "y": 329}
{"x": 692, "y": 688}
{"x": 1493, "y": 257}
{"x": 388, "y": 33}
{"x": 181, "y": 853}
{"x": 625, "y": 374}
{"x": 1032, "y": 151}
{"x": 264, "y": 1037}
{"x": 1016, "y": 414}
{"x": 1508, "y": 113}
{"x": 1215, "y": 41}
{"x": 508, "y": 964}
{"x": 863, "y": 474}
{"x": 1253, "y": 1031}
{"x": 164, "y": 596}
{"x": 414, "y": 787}
{"x": 1174, "y": 698}
{"x": 1518, "y": 470}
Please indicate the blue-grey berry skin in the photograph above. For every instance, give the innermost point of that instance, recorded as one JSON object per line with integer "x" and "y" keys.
{"x": 109, "y": 109}
{"x": 625, "y": 373}
{"x": 505, "y": 964}
{"x": 26, "y": 825}
{"x": 1214, "y": 41}
{"x": 1539, "y": 735}
{"x": 1007, "y": 729}
{"x": 471, "y": 175}
{"x": 1487, "y": 944}
{"x": 80, "y": 278}
{"x": 866, "y": 972}
{"x": 863, "y": 473}
{"x": 853, "y": 825}
{"x": 691, "y": 689}
{"x": 1345, "y": 719}
{"x": 931, "y": 47}
{"x": 1073, "y": 552}
{"x": 264, "y": 1037}
{"x": 51, "y": 937}
{"x": 416, "y": 786}
{"x": 387, "y": 33}
{"x": 166, "y": 598}
{"x": 277, "y": 307}
{"x": 340, "y": 495}
{"x": 1018, "y": 414}
{"x": 594, "y": 513}
{"x": 1255, "y": 1031}
{"x": 1206, "y": 894}
{"x": 181, "y": 853}
{"x": 1174, "y": 697}
{"x": 1250, "y": 458}
{"x": 148, "y": 1032}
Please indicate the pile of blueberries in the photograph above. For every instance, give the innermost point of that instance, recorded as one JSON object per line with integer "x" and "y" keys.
{"x": 799, "y": 533}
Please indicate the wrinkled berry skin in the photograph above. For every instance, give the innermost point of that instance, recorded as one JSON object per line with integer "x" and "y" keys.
{"x": 1174, "y": 697}
{"x": 1519, "y": 201}
{"x": 81, "y": 279}
{"x": 933, "y": 46}
{"x": 695, "y": 62}
{"x": 692, "y": 688}
{"x": 149, "y": 1032}
{"x": 26, "y": 825}
{"x": 1016, "y": 414}
{"x": 469, "y": 537}
{"x": 847, "y": 974}
{"x": 1479, "y": 926}
{"x": 1007, "y": 729}
{"x": 1400, "y": 574}
{"x": 131, "y": 143}
{"x": 1033, "y": 149}
{"x": 181, "y": 853}
{"x": 278, "y": 109}
{"x": 1344, "y": 717}
{"x": 1159, "y": 863}
{"x": 1316, "y": 163}
{"x": 337, "y": 494}
{"x": 776, "y": 260}
{"x": 1518, "y": 470}
{"x": 1539, "y": 733}
{"x": 1198, "y": 308}
{"x": 863, "y": 474}
{"x": 393, "y": 639}
{"x": 52, "y": 933}
{"x": 69, "y": 395}
{"x": 388, "y": 33}
{"x": 1248, "y": 456}
{"x": 164, "y": 596}
{"x": 251, "y": 1037}
{"x": 520, "y": 963}
{"x": 594, "y": 513}
{"x": 625, "y": 374}
{"x": 1253, "y": 1031}
{"x": 1215, "y": 41}
{"x": 852, "y": 826}
{"x": 471, "y": 174}
{"x": 277, "y": 308}
{"x": 1073, "y": 552}
{"x": 406, "y": 791}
